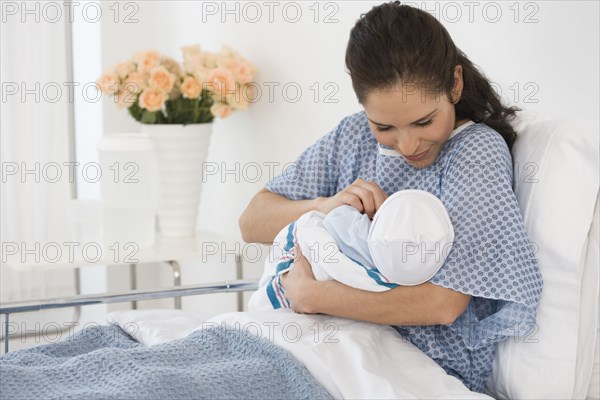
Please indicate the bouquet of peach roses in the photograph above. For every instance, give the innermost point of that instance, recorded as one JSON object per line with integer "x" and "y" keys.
{"x": 157, "y": 90}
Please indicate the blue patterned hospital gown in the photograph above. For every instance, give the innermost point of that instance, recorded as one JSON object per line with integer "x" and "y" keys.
{"x": 491, "y": 259}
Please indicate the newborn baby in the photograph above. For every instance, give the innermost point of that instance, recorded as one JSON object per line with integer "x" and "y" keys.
{"x": 406, "y": 244}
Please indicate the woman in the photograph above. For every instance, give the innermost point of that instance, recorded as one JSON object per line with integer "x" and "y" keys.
{"x": 431, "y": 121}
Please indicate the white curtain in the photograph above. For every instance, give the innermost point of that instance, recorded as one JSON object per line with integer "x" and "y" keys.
{"x": 34, "y": 132}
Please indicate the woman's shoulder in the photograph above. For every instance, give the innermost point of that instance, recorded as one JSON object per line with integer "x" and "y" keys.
{"x": 354, "y": 126}
{"x": 351, "y": 140}
{"x": 357, "y": 120}
{"x": 478, "y": 143}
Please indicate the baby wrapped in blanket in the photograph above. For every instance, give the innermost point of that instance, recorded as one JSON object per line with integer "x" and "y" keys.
{"x": 406, "y": 244}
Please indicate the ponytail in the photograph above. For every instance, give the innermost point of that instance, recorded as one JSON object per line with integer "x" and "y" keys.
{"x": 480, "y": 102}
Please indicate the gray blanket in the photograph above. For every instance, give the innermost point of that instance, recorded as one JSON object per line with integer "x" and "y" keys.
{"x": 104, "y": 362}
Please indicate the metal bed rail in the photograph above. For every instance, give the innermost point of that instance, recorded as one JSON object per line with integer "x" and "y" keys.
{"x": 14, "y": 307}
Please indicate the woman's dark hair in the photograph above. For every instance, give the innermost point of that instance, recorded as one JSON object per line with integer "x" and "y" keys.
{"x": 394, "y": 43}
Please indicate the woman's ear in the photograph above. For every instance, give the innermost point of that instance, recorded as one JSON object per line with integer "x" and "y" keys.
{"x": 458, "y": 84}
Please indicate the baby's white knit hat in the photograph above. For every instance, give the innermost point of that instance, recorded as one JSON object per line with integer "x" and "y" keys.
{"x": 410, "y": 237}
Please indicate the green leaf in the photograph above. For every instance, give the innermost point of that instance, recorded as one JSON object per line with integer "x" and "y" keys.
{"x": 148, "y": 117}
{"x": 136, "y": 111}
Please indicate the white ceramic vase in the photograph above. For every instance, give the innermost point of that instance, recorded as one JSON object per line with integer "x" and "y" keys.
{"x": 181, "y": 151}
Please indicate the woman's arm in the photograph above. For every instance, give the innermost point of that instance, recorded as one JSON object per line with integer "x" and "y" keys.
{"x": 269, "y": 212}
{"x": 425, "y": 304}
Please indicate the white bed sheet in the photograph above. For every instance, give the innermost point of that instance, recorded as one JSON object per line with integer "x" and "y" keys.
{"x": 350, "y": 359}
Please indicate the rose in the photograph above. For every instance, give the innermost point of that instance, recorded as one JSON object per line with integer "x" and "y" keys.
{"x": 190, "y": 51}
{"x": 239, "y": 99}
{"x": 221, "y": 81}
{"x": 242, "y": 71}
{"x": 171, "y": 65}
{"x": 210, "y": 60}
{"x": 152, "y": 99}
{"x": 123, "y": 69}
{"x": 124, "y": 99}
{"x": 161, "y": 79}
{"x": 190, "y": 88}
{"x": 220, "y": 110}
{"x": 201, "y": 75}
{"x": 193, "y": 64}
{"x": 135, "y": 82}
{"x": 146, "y": 60}
{"x": 192, "y": 59}
{"x": 108, "y": 83}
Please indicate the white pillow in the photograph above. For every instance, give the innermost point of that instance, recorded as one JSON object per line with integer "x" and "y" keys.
{"x": 594, "y": 387}
{"x": 592, "y": 263}
{"x": 556, "y": 183}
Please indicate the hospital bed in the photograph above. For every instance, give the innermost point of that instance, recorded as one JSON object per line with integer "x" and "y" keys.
{"x": 556, "y": 164}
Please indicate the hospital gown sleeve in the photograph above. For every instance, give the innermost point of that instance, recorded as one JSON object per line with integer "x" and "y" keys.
{"x": 315, "y": 173}
{"x": 491, "y": 257}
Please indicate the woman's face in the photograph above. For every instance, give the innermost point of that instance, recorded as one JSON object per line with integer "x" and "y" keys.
{"x": 413, "y": 123}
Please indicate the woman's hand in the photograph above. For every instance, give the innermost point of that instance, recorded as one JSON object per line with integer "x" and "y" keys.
{"x": 297, "y": 284}
{"x": 365, "y": 196}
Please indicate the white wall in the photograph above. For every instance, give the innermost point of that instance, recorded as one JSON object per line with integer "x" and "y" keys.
{"x": 549, "y": 51}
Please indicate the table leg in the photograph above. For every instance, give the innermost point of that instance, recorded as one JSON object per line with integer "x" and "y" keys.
{"x": 133, "y": 282}
{"x": 5, "y": 333}
{"x": 176, "y": 280}
{"x": 239, "y": 272}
